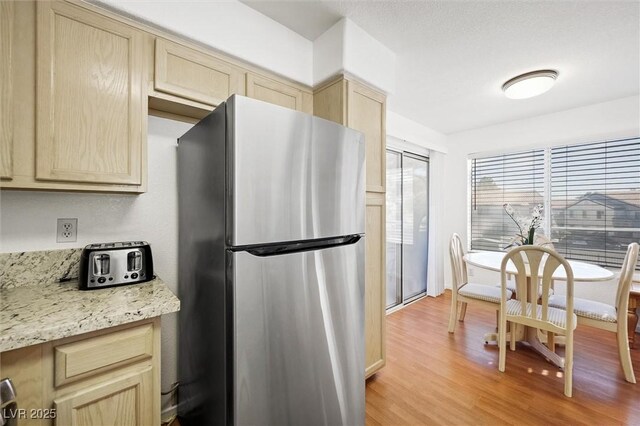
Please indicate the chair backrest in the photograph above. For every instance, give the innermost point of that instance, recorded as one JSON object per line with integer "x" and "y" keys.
{"x": 539, "y": 240}
{"x": 458, "y": 265}
{"x": 626, "y": 276}
{"x": 543, "y": 240}
{"x": 539, "y": 263}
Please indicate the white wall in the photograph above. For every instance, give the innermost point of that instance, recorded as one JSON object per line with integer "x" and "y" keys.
{"x": 408, "y": 130}
{"x": 233, "y": 28}
{"x": 28, "y": 221}
{"x": 367, "y": 58}
{"x": 347, "y": 48}
{"x": 329, "y": 53}
{"x": 609, "y": 120}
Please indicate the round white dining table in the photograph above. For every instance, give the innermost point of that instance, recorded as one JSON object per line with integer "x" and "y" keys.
{"x": 582, "y": 272}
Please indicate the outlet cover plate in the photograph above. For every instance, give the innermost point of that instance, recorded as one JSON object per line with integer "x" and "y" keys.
{"x": 67, "y": 230}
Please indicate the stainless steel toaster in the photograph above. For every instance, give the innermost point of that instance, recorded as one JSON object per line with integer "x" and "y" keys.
{"x": 110, "y": 264}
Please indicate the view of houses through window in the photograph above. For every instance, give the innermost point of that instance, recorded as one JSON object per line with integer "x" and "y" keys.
{"x": 592, "y": 192}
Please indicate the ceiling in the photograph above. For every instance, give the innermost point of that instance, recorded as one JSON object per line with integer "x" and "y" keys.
{"x": 453, "y": 56}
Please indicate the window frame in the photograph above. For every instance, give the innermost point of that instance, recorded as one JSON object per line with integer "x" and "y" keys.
{"x": 547, "y": 194}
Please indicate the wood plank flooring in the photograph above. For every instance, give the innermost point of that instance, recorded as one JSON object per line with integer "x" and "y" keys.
{"x": 433, "y": 377}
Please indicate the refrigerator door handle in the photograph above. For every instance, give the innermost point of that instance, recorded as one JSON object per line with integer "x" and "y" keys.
{"x": 277, "y": 249}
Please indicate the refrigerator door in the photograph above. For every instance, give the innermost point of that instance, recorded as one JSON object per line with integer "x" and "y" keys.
{"x": 290, "y": 176}
{"x": 299, "y": 337}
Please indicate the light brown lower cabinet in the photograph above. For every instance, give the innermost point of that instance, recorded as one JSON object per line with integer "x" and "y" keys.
{"x": 374, "y": 314}
{"x": 124, "y": 400}
{"x": 106, "y": 377}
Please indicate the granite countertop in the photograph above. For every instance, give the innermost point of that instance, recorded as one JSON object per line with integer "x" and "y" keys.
{"x": 32, "y": 314}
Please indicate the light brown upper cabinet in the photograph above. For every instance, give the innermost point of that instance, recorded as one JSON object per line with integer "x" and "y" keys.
{"x": 276, "y": 92}
{"x": 6, "y": 89}
{"x": 194, "y": 75}
{"x": 77, "y": 83}
{"x": 367, "y": 113}
{"x": 91, "y": 97}
{"x": 354, "y": 105}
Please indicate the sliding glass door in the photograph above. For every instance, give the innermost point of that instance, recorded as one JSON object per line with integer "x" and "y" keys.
{"x": 407, "y": 226}
{"x": 394, "y": 228}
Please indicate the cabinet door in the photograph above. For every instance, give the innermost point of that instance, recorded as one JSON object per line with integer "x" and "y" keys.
{"x": 278, "y": 93}
{"x": 193, "y": 75}
{"x": 26, "y": 370}
{"x": 374, "y": 302}
{"x": 91, "y": 97}
{"x": 123, "y": 401}
{"x": 6, "y": 91}
{"x": 367, "y": 114}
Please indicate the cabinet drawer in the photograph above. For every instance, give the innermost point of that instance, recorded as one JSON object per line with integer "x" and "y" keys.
{"x": 95, "y": 355}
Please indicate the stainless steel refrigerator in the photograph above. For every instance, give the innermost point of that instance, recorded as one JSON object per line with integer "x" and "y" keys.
{"x": 271, "y": 268}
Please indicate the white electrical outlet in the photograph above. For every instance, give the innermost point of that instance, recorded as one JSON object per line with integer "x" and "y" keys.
{"x": 470, "y": 272}
{"x": 67, "y": 230}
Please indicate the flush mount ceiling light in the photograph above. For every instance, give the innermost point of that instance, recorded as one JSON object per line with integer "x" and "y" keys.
{"x": 531, "y": 84}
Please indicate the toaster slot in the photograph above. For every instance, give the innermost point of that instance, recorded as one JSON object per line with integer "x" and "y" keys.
{"x": 101, "y": 264}
{"x": 134, "y": 261}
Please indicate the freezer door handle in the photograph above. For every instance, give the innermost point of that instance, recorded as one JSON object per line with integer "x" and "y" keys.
{"x": 277, "y": 249}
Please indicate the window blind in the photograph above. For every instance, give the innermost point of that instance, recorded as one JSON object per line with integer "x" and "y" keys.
{"x": 517, "y": 179}
{"x": 595, "y": 200}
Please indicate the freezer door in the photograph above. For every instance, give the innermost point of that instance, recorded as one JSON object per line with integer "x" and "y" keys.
{"x": 299, "y": 337}
{"x": 291, "y": 176}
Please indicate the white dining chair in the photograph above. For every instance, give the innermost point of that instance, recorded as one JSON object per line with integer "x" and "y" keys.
{"x": 535, "y": 266}
{"x": 608, "y": 317}
{"x": 462, "y": 291}
{"x": 539, "y": 240}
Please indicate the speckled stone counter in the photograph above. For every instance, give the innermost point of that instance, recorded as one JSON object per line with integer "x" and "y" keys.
{"x": 36, "y": 314}
{"x": 41, "y": 311}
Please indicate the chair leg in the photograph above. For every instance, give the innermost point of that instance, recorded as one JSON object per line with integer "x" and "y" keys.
{"x": 512, "y": 341}
{"x": 453, "y": 314}
{"x": 551, "y": 341}
{"x": 463, "y": 311}
{"x": 625, "y": 354}
{"x": 568, "y": 364}
{"x": 502, "y": 340}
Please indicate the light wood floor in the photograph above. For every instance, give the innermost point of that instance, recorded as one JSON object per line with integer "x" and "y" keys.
{"x": 432, "y": 377}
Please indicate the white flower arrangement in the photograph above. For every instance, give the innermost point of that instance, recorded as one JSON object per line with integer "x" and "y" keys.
{"x": 526, "y": 226}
